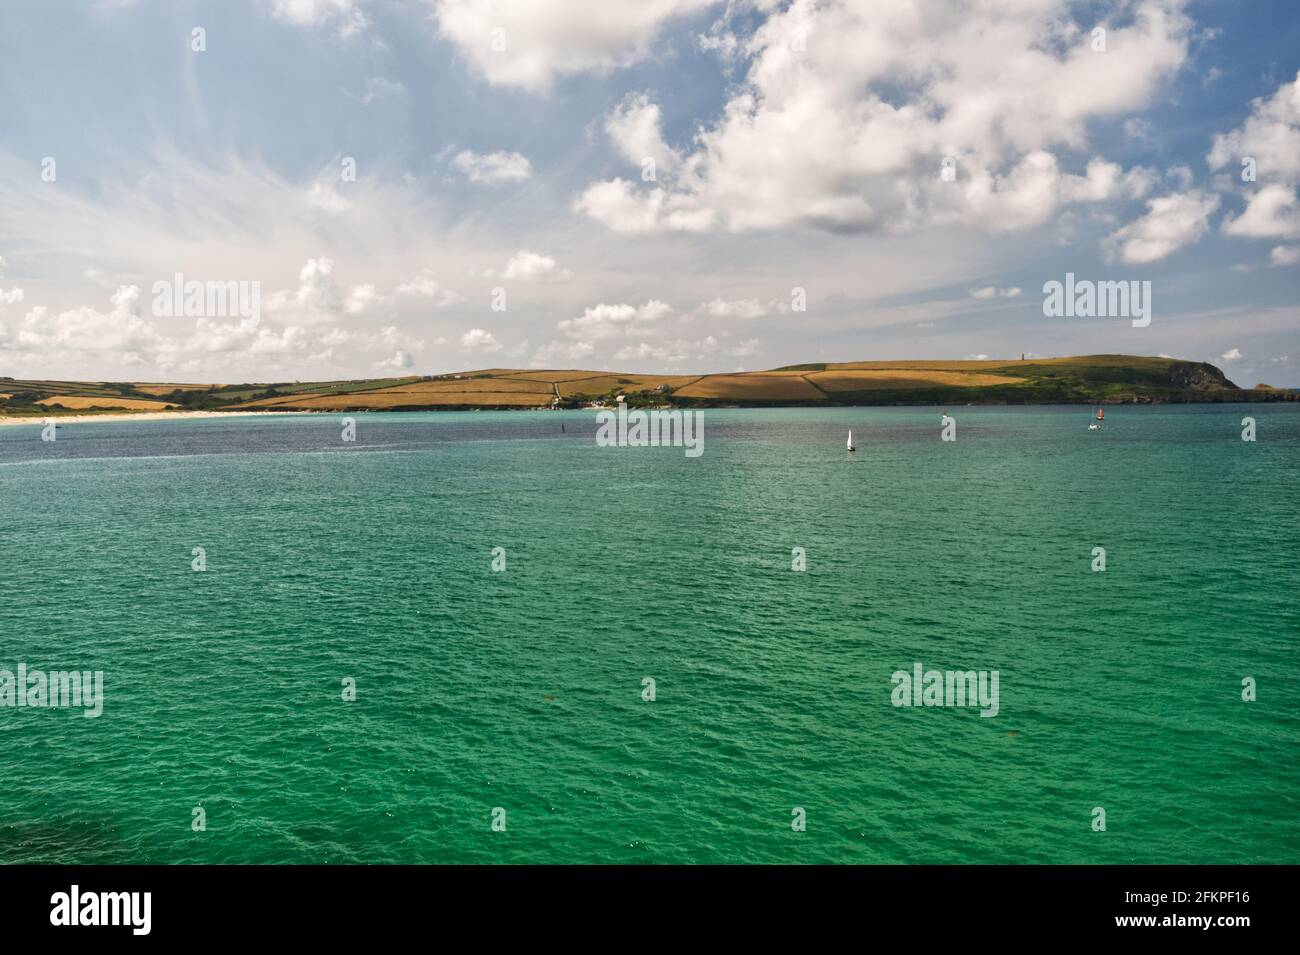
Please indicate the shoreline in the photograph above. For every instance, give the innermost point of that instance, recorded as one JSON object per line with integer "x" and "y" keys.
{"x": 118, "y": 416}
{"x": 39, "y": 420}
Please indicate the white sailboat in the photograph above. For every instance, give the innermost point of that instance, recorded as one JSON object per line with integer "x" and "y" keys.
{"x": 851, "y": 447}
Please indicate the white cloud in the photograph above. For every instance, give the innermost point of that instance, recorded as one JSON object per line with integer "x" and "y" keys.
{"x": 316, "y": 298}
{"x": 479, "y": 340}
{"x": 1270, "y": 140}
{"x": 634, "y": 128}
{"x": 612, "y": 321}
{"x": 401, "y": 361}
{"x": 992, "y": 291}
{"x": 673, "y": 351}
{"x": 120, "y": 329}
{"x": 619, "y": 206}
{"x": 531, "y": 266}
{"x": 1270, "y": 136}
{"x": 741, "y": 308}
{"x": 540, "y": 40}
{"x": 877, "y": 99}
{"x": 1233, "y": 354}
{"x": 346, "y": 15}
{"x": 1285, "y": 255}
{"x": 561, "y": 351}
{"x": 360, "y": 298}
{"x": 1271, "y": 213}
{"x": 493, "y": 168}
{"x": 1171, "y": 223}
{"x": 424, "y": 285}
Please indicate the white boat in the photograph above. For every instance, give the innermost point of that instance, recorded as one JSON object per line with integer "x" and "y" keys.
{"x": 850, "y": 445}
{"x": 1094, "y": 427}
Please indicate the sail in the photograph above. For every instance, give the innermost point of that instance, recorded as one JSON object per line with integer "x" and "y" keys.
{"x": 850, "y": 444}
{"x": 1101, "y": 415}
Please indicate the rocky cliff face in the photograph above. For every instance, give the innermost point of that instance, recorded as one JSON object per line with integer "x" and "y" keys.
{"x": 1197, "y": 376}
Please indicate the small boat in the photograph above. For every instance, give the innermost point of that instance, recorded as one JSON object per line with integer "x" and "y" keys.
{"x": 1101, "y": 415}
{"x": 1094, "y": 427}
{"x": 850, "y": 444}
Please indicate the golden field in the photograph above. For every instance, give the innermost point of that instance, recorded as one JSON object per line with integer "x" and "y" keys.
{"x": 755, "y": 387}
{"x": 865, "y": 380}
{"x": 82, "y": 403}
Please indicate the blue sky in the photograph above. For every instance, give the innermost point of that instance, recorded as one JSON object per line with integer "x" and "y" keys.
{"x": 500, "y": 145}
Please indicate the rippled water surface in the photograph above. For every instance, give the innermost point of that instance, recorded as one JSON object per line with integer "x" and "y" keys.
{"x": 523, "y": 689}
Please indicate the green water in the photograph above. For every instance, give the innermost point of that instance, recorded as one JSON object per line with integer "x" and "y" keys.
{"x": 522, "y": 689}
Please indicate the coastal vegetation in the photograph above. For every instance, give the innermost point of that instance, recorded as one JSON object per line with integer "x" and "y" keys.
{"x": 1092, "y": 379}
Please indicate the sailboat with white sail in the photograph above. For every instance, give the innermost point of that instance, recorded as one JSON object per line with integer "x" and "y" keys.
{"x": 850, "y": 443}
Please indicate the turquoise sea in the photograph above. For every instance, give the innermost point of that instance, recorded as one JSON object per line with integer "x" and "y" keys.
{"x": 522, "y": 688}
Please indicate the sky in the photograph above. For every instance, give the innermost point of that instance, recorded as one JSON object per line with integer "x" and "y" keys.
{"x": 413, "y": 187}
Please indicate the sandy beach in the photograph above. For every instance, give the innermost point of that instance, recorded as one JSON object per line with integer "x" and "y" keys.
{"x": 38, "y": 420}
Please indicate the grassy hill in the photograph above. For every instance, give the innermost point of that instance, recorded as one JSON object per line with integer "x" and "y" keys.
{"x": 1087, "y": 379}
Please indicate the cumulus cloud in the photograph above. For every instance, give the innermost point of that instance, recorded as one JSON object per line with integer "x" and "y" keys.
{"x": 479, "y": 340}
{"x": 1270, "y": 136}
{"x": 1271, "y": 213}
{"x": 120, "y": 329}
{"x": 1285, "y": 255}
{"x": 1269, "y": 142}
{"x": 540, "y": 41}
{"x": 613, "y": 321}
{"x": 1232, "y": 354}
{"x": 876, "y": 100}
{"x": 634, "y": 128}
{"x": 531, "y": 266}
{"x": 490, "y": 169}
{"x": 316, "y": 297}
{"x": 1171, "y": 223}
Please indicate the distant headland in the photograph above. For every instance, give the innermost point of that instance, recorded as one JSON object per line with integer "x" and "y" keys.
{"x": 1091, "y": 379}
